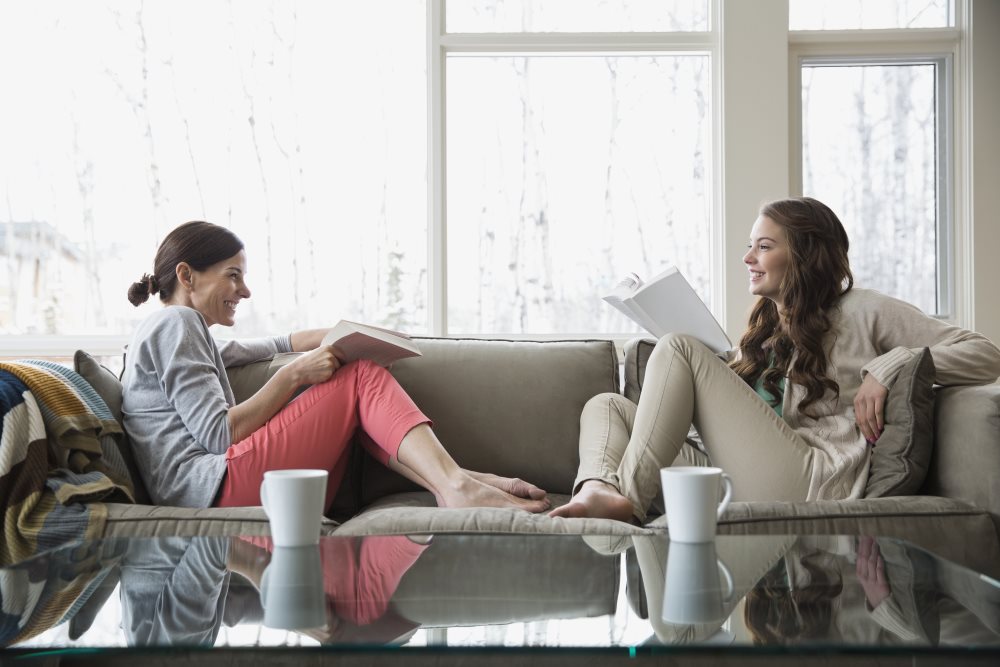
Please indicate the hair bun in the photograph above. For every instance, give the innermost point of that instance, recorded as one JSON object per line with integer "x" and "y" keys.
{"x": 140, "y": 290}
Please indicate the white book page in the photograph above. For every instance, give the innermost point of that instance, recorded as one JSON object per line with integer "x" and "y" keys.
{"x": 360, "y": 341}
{"x": 674, "y": 306}
{"x": 362, "y": 346}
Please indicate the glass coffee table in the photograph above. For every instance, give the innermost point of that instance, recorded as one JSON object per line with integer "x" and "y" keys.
{"x": 540, "y": 597}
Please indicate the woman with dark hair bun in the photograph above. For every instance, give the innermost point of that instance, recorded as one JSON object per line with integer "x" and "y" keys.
{"x": 794, "y": 414}
{"x": 196, "y": 448}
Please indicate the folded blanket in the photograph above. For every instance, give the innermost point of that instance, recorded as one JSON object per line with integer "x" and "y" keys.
{"x": 108, "y": 430}
{"x": 56, "y": 456}
{"x": 40, "y": 593}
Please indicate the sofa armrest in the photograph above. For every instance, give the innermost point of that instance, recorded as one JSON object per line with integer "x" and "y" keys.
{"x": 966, "y": 454}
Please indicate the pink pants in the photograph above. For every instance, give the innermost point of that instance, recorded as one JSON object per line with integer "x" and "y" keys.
{"x": 360, "y": 574}
{"x": 314, "y": 431}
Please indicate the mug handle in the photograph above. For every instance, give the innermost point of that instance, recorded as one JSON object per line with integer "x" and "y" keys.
{"x": 726, "y": 574}
{"x": 263, "y": 495}
{"x": 728, "y": 482}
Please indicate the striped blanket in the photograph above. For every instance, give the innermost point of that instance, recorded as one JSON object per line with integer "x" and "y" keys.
{"x": 42, "y": 592}
{"x": 58, "y": 453}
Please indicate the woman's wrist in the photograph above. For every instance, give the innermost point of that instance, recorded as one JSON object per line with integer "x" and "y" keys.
{"x": 289, "y": 377}
{"x": 306, "y": 340}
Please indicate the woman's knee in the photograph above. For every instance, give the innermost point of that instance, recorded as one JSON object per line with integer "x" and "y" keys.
{"x": 609, "y": 402}
{"x": 686, "y": 345}
{"x": 679, "y": 341}
{"x": 602, "y": 401}
{"x": 365, "y": 369}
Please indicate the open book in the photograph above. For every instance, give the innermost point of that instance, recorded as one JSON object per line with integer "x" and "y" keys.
{"x": 362, "y": 341}
{"x": 668, "y": 304}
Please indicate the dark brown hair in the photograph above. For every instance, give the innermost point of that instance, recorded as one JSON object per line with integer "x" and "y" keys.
{"x": 200, "y": 244}
{"x": 818, "y": 274}
{"x": 777, "y": 612}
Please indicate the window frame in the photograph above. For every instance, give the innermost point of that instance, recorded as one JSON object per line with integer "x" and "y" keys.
{"x": 740, "y": 177}
{"x": 935, "y": 46}
{"x": 442, "y": 43}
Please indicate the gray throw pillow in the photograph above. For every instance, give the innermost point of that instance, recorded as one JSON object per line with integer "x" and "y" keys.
{"x": 107, "y": 386}
{"x": 902, "y": 454}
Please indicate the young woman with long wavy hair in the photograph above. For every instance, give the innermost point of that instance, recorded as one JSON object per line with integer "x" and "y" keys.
{"x": 792, "y": 416}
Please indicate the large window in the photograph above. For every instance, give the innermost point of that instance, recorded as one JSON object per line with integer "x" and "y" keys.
{"x": 875, "y": 112}
{"x": 870, "y": 149}
{"x": 869, "y": 14}
{"x": 566, "y": 173}
{"x": 572, "y": 159}
{"x": 299, "y": 125}
{"x": 469, "y": 167}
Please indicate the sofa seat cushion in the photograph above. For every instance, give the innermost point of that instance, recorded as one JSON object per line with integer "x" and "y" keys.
{"x": 161, "y": 521}
{"x": 951, "y": 528}
{"x": 415, "y": 512}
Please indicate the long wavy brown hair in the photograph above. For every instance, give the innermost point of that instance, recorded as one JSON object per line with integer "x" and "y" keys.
{"x": 817, "y": 275}
{"x": 777, "y": 613}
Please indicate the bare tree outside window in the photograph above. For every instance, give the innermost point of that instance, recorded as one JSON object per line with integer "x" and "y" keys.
{"x": 564, "y": 174}
{"x": 869, "y": 149}
{"x": 300, "y": 125}
{"x": 577, "y": 15}
{"x": 868, "y": 14}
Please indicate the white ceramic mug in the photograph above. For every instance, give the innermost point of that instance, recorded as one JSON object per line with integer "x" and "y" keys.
{"x": 293, "y": 501}
{"x": 691, "y": 496}
{"x": 693, "y": 591}
{"x": 291, "y": 589}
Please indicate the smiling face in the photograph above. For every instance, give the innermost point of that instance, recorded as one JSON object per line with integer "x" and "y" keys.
{"x": 767, "y": 259}
{"x": 216, "y": 291}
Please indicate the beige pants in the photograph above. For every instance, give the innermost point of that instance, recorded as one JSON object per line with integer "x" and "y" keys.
{"x": 625, "y": 444}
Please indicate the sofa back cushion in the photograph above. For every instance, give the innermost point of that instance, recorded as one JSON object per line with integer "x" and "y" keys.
{"x": 506, "y": 407}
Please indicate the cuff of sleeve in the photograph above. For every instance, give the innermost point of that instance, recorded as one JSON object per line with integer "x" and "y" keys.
{"x": 891, "y": 617}
{"x": 886, "y": 367}
{"x": 283, "y": 343}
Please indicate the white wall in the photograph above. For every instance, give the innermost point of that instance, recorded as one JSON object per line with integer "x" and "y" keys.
{"x": 984, "y": 18}
{"x": 755, "y": 134}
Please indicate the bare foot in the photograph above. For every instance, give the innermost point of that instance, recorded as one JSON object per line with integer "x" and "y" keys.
{"x": 470, "y": 492}
{"x": 599, "y": 500}
{"x": 512, "y": 485}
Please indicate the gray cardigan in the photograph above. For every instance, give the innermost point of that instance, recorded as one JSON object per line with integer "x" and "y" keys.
{"x": 176, "y": 399}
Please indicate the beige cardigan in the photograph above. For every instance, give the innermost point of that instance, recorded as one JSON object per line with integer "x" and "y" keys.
{"x": 874, "y": 333}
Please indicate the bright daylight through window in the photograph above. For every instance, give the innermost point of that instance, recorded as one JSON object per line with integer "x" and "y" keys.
{"x": 875, "y": 141}
{"x": 869, "y": 149}
{"x": 572, "y": 156}
{"x": 301, "y": 126}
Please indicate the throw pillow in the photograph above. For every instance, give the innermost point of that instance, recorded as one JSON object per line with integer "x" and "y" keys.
{"x": 902, "y": 454}
{"x": 109, "y": 388}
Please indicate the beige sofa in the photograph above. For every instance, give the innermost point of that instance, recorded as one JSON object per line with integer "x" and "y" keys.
{"x": 513, "y": 407}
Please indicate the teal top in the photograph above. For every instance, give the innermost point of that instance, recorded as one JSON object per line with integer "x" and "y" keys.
{"x": 774, "y": 401}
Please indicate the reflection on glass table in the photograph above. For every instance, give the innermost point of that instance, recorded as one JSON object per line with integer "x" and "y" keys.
{"x": 492, "y": 591}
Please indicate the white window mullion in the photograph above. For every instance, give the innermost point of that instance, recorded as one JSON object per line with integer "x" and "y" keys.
{"x": 437, "y": 239}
